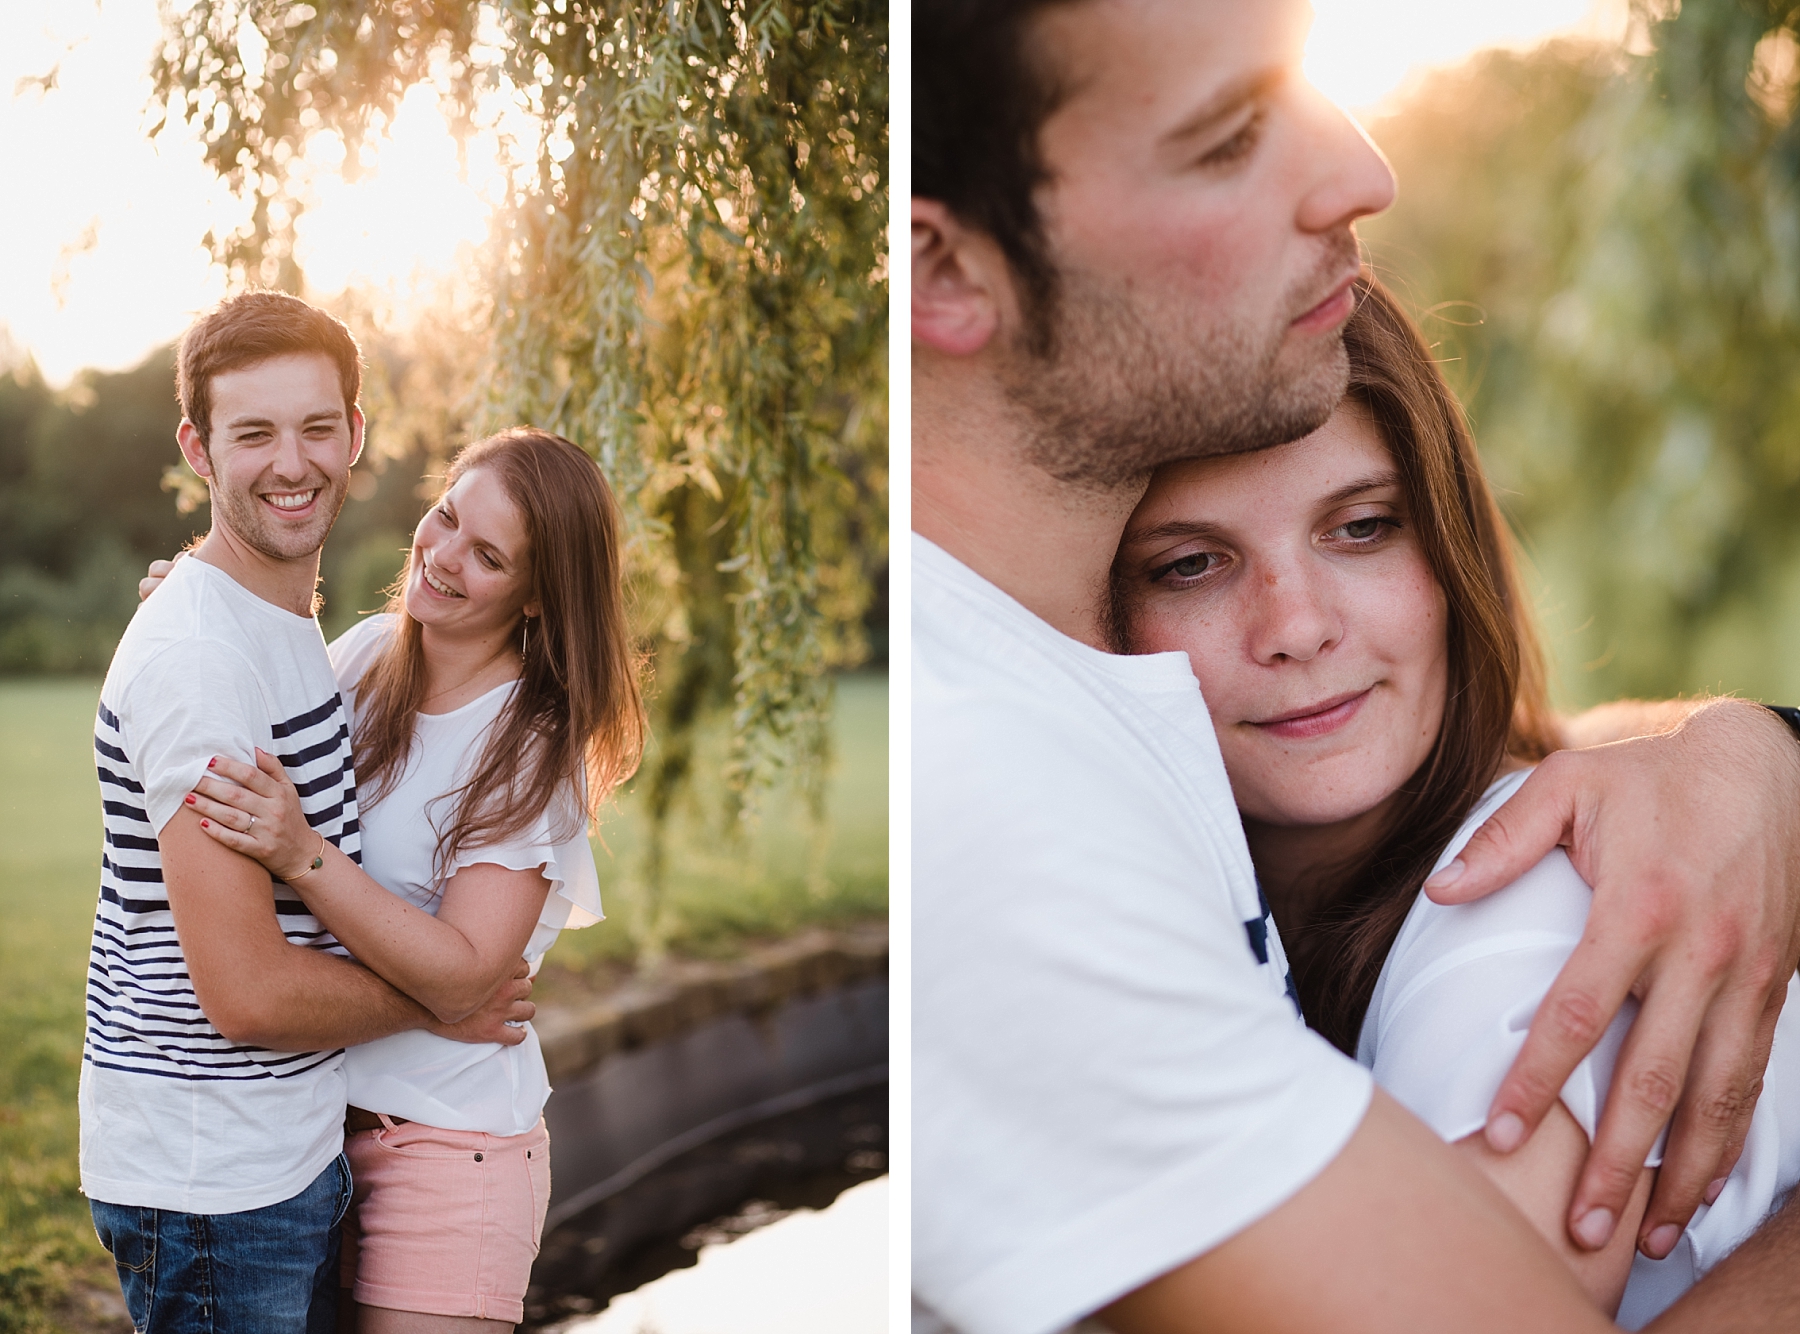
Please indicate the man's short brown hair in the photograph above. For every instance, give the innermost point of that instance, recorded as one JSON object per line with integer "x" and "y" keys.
{"x": 253, "y": 327}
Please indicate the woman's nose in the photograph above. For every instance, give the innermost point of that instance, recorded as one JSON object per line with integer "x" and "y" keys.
{"x": 1294, "y": 619}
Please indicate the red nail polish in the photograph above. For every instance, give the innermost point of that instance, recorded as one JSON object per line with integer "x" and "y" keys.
{"x": 206, "y": 824}
{"x": 214, "y": 760}
{"x": 189, "y": 799}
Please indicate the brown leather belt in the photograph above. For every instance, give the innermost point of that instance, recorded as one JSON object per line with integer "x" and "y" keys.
{"x": 356, "y": 1120}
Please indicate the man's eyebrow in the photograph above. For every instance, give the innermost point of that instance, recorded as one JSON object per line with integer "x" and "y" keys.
{"x": 241, "y": 423}
{"x": 1226, "y": 101}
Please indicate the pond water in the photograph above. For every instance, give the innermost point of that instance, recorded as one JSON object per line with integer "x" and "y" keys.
{"x": 806, "y": 1272}
{"x": 787, "y": 1168}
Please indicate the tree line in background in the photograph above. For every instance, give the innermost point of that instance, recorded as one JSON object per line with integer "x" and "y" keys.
{"x": 687, "y": 277}
{"x": 1604, "y": 244}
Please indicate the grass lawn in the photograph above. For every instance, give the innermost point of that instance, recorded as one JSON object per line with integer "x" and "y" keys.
{"x": 726, "y": 885}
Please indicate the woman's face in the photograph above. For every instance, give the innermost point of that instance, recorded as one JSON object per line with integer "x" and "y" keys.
{"x": 470, "y": 570}
{"x": 1295, "y": 584}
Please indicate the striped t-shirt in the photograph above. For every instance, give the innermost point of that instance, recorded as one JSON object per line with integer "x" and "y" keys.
{"x": 173, "y": 1114}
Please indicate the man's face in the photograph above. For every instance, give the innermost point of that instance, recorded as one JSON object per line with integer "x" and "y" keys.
{"x": 279, "y": 460}
{"x": 1198, "y": 214}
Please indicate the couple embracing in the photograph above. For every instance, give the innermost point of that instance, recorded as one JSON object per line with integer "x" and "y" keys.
{"x": 309, "y": 1078}
{"x": 1220, "y": 661}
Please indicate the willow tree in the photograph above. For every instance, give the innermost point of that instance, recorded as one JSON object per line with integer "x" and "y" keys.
{"x": 1624, "y": 225}
{"x": 688, "y": 279}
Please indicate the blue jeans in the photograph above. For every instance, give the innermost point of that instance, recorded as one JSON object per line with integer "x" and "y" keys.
{"x": 263, "y": 1271}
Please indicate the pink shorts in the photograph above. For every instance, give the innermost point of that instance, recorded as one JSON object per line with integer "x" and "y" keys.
{"x": 445, "y": 1222}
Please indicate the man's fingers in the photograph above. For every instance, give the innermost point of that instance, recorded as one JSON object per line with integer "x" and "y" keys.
{"x": 1647, "y": 1083}
{"x": 1514, "y": 839}
{"x": 1712, "y": 1118}
{"x": 524, "y": 968}
{"x": 1718, "y": 1092}
{"x": 1570, "y": 1020}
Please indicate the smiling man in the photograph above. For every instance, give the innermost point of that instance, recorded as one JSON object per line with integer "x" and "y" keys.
{"x": 212, "y": 1090}
{"x": 1133, "y": 243}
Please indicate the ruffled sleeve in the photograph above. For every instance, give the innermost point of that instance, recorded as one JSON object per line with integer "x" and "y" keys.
{"x": 556, "y": 843}
{"x": 1460, "y": 990}
{"x": 353, "y": 651}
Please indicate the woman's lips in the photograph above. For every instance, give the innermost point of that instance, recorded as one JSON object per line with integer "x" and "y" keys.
{"x": 1315, "y": 719}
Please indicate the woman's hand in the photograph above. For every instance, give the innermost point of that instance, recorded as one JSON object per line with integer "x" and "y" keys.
{"x": 256, "y": 812}
{"x": 159, "y": 571}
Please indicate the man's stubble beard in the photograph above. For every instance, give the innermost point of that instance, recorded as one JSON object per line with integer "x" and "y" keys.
{"x": 1116, "y": 386}
{"x": 242, "y": 513}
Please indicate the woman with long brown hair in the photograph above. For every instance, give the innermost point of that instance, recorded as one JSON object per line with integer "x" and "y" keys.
{"x": 1350, "y": 606}
{"x": 496, "y": 705}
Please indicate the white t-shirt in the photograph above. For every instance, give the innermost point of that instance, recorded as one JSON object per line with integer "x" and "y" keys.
{"x": 418, "y": 1075}
{"x": 1450, "y": 1011}
{"x": 174, "y": 1115}
{"x": 1109, "y": 1077}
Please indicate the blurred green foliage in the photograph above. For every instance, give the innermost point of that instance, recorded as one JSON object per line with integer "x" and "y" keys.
{"x": 1605, "y": 246}
{"x": 688, "y": 278}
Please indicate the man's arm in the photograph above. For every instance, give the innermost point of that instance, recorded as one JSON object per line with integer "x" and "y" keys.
{"x": 258, "y": 989}
{"x": 1690, "y": 837}
{"x": 1402, "y": 1232}
{"x": 1626, "y": 718}
{"x": 1397, "y": 1233}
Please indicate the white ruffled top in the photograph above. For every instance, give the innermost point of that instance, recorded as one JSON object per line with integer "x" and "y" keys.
{"x": 1450, "y": 1012}
{"x": 417, "y": 1075}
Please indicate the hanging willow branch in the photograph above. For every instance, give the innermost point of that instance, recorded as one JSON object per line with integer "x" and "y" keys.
{"x": 688, "y": 279}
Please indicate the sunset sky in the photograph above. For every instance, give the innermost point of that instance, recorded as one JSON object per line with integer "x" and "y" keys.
{"x": 102, "y": 243}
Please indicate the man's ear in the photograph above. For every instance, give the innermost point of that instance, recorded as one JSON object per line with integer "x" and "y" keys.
{"x": 193, "y": 449}
{"x": 960, "y": 282}
{"x": 357, "y": 426}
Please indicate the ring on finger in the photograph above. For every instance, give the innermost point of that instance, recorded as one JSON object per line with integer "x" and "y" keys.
{"x": 251, "y": 825}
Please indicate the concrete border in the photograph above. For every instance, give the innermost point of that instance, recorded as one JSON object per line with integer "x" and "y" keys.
{"x": 673, "y": 1060}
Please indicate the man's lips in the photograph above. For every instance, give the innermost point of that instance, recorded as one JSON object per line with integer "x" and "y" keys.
{"x": 1312, "y": 720}
{"x": 1333, "y": 311}
{"x": 291, "y": 502}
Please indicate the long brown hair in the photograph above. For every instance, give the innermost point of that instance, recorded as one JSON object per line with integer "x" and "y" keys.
{"x": 1495, "y": 702}
{"x": 577, "y": 713}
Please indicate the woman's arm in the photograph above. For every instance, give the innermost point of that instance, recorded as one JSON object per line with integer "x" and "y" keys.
{"x": 450, "y": 963}
{"x": 1539, "y": 1178}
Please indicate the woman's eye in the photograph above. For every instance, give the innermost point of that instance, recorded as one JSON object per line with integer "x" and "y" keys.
{"x": 1363, "y": 530}
{"x": 1188, "y": 567}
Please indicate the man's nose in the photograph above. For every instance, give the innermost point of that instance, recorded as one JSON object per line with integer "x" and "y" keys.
{"x": 1351, "y": 177}
{"x": 290, "y": 464}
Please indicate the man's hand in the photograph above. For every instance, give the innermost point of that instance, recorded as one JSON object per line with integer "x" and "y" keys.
{"x": 495, "y": 1020}
{"x": 1691, "y": 840}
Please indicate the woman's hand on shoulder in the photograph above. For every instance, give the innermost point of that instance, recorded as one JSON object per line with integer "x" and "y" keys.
{"x": 159, "y": 571}
{"x": 256, "y": 812}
